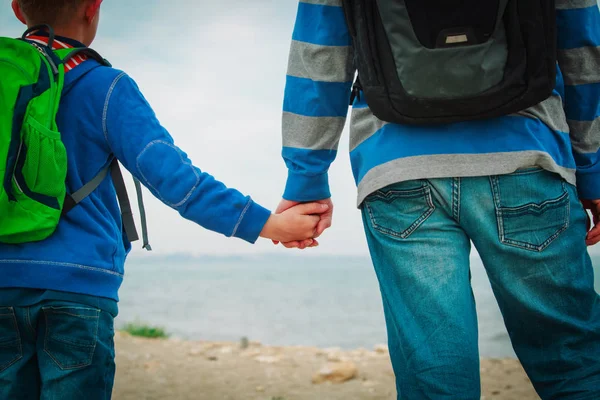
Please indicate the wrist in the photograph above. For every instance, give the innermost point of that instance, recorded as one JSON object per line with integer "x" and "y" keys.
{"x": 251, "y": 222}
{"x": 306, "y": 188}
{"x": 269, "y": 231}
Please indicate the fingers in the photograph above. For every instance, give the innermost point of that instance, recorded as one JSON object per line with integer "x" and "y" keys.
{"x": 323, "y": 224}
{"x": 326, "y": 219}
{"x": 291, "y": 245}
{"x": 303, "y": 221}
{"x": 588, "y": 222}
{"x": 302, "y": 244}
{"x": 285, "y": 205}
{"x": 311, "y": 208}
{"x": 305, "y": 244}
{"x": 593, "y": 236}
{"x": 308, "y": 232}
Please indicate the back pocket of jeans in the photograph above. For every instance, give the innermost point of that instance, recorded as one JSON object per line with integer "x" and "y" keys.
{"x": 10, "y": 341}
{"x": 532, "y": 208}
{"x": 71, "y": 335}
{"x": 399, "y": 210}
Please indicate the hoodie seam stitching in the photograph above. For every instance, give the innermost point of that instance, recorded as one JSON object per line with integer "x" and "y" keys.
{"x": 237, "y": 226}
{"x": 106, "y": 103}
{"x": 69, "y": 265}
{"x": 188, "y": 195}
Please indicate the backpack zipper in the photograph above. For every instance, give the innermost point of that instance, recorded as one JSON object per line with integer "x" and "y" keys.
{"x": 54, "y": 73}
{"x": 356, "y": 89}
{"x": 16, "y": 181}
{"x": 54, "y": 70}
{"x": 9, "y": 190}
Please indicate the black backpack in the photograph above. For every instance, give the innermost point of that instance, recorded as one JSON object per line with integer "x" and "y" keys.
{"x": 443, "y": 61}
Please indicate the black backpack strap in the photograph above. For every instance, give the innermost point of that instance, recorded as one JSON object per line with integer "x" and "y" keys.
{"x": 124, "y": 204}
{"x": 88, "y": 52}
{"x": 41, "y": 27}
{"x": 45, "y": 50}
{"x": 142, "y": 208}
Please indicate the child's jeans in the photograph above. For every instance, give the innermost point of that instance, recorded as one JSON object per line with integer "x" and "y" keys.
{"x": 56, "y": 350}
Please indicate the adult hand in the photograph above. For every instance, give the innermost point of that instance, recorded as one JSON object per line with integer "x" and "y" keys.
{"x": 324, "y": 223}
{"x": 297, "y": 223}
{"x": 593, "y": 236}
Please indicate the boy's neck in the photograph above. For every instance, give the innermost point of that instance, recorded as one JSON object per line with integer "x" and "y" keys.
{"x": 74, "y": 33}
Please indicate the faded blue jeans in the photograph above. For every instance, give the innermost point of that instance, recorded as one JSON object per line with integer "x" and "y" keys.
{"x": 56, "y": 350}
{"x": 529, "y": 228}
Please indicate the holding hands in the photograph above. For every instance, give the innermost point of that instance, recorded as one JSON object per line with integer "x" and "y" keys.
{"x": 296, "y": 224}
{"x": 324, "y": 221}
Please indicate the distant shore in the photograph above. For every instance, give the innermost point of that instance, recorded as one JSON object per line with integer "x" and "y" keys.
{"x": 183, "y": 370}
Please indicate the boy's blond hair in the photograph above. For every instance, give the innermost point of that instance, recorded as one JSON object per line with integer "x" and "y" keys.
{"x": 50, "y": 12}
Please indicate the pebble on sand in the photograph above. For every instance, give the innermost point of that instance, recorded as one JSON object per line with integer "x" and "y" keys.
{"x": 336, "y": 373}
{"x": 268, "y": 359}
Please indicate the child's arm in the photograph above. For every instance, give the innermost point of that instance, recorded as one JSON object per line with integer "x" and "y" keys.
{"x": 146, "y": 149}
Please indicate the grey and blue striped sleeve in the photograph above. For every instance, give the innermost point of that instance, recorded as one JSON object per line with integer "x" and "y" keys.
{"x": 318, "y": 85}
{"x": 579, "y": 61}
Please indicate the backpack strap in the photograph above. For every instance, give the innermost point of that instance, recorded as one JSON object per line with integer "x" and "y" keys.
{"x": 45, "y": 50}
{"x": 66, "y": 55}
{"x": 349, "y": 14}
{"x": 124, "y": 204}
{"x": 72, "y": 200}
{"x": 140, "y": 198}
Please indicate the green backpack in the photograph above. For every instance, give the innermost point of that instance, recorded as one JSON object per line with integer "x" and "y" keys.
{"x": 33, "y": 159}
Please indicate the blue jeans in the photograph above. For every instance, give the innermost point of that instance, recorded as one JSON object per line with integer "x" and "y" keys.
{"x": 56, "y": 350}
{"x": 529, "y": 228}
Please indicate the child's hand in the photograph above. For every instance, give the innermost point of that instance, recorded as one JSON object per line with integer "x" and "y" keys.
{"x": 297, "y": 223}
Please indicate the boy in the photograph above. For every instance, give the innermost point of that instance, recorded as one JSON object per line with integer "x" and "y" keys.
{"x": 58, "y": 297}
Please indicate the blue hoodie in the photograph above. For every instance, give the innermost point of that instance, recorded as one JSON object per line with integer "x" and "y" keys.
{"x": 102, "y": 113}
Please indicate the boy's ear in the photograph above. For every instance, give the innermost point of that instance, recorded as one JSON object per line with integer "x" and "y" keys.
{"x": 92, "y": 10}
{"x": 18, "y": 13}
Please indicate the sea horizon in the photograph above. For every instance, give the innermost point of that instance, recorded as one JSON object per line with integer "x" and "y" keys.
{"x": 277, "y": 299}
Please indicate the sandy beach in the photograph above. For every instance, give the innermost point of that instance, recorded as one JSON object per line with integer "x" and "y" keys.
{"x": 173, "y": 369}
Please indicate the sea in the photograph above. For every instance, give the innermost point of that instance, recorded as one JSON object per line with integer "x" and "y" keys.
{"x": 278, "y": 300}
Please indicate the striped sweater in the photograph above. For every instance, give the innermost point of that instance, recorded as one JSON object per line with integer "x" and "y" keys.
{"x": 561, "y": 134}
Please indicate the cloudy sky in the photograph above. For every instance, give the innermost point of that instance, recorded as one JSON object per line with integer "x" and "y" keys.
{"x": 215, "y": 71}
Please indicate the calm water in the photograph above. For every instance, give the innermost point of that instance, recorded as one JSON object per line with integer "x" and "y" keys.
{"x": 326, "y": 302}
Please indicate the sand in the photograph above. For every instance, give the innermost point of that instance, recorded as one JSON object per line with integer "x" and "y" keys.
{"x": 174, "y": 369}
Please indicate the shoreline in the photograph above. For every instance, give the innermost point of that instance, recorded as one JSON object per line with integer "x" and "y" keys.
{"x": 198, "y": 370}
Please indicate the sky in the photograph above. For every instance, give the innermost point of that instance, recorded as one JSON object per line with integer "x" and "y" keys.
{"x": 214, "y": 71}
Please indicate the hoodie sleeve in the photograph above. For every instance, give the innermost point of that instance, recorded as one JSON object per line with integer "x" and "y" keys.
{"x": 579, "y": 60}
{"x": 317, "y": 92}
{"x": 146, "y": 149}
